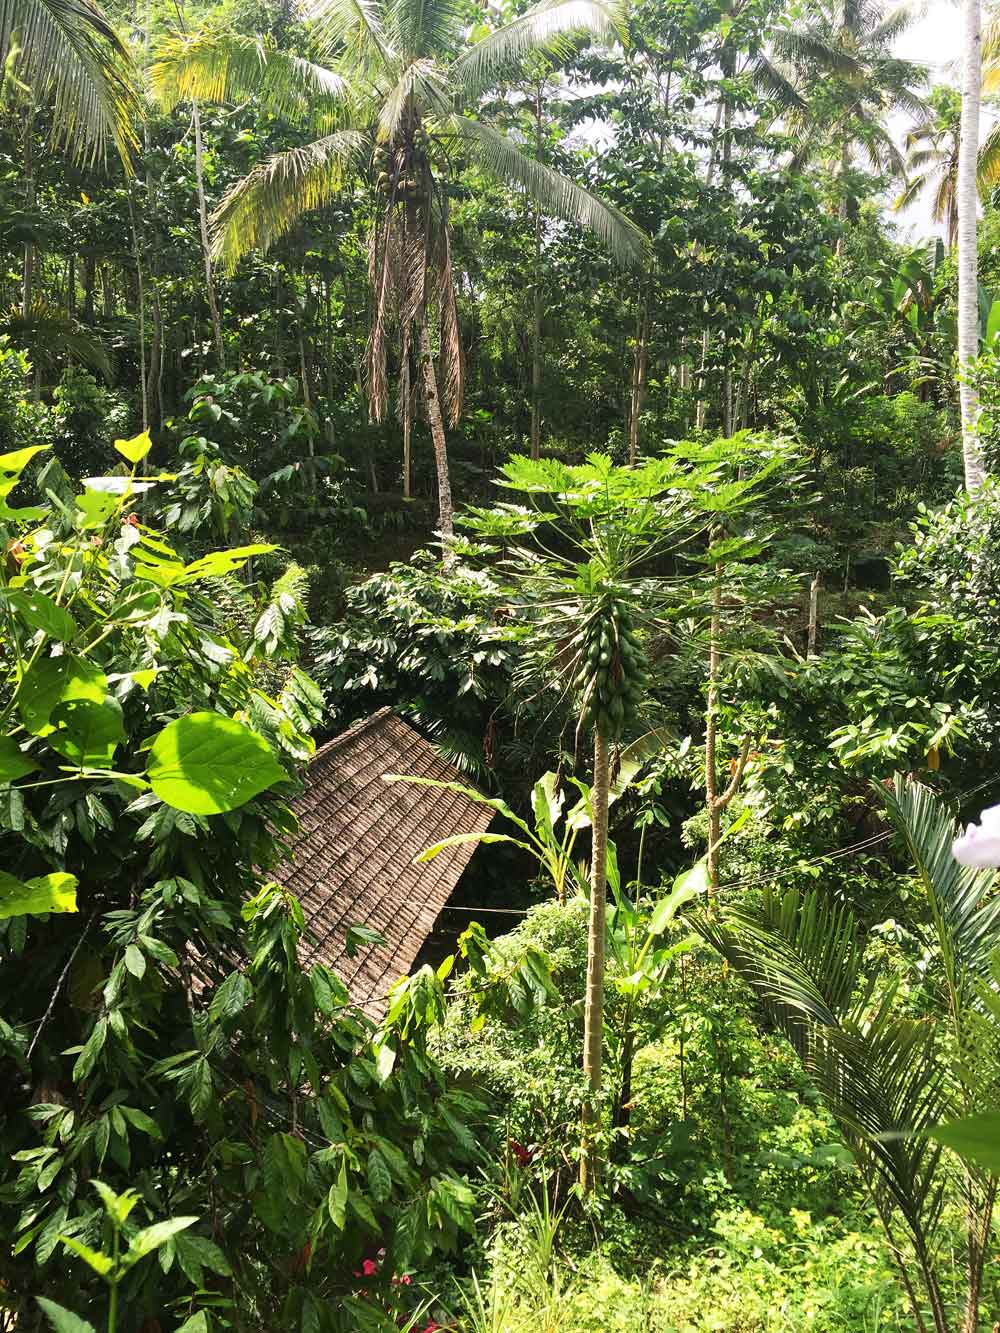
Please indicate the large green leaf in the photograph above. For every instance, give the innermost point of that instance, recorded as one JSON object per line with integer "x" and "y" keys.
{"x": 14, "y": 763}
{"x": 55, "y": 680}
{"x": 13, "y": 464}
{"x": 55, "y": 892}
{"x": 206, "y": 764}
{"x": 688, "y": 884}
{"x": 39, "y": 612}
{"x": 976, "y": 1138}
{"x": 88, "y": 732}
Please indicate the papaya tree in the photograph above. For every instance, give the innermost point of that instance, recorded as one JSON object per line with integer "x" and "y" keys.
{"x": 585, "y": 562}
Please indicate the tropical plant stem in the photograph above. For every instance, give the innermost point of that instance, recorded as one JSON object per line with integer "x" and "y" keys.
{"x": 593, "y": 1017}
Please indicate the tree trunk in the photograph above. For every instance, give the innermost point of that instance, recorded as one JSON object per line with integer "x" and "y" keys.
{"x": 406, "y": 411}
{"x": 89, "y": 274}
{"x": 28, "y": 268}
{"x": 206, "y": 249}
{"x": 968, "y": 283}
{"x": 639, "y": 374}
{"x": 813, "y": 615}
{"x": 107, "y": 292}
{"x": 141, "y": 311}
{"x": 432, "y": 406}
{"x": 536, "y": 301}
{"x": 711, "y": 738}
{"x": 593, "y": 1016}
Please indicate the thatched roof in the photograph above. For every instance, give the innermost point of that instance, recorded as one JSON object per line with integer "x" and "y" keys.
{"x": 353, "y": 861}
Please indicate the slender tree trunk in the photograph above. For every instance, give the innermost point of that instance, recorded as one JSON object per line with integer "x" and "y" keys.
{"x": 89, "y": 274}
{"x": 968, "y": 283}
{"x": 979, "y": 1225}
{"x": 28, "y": 266}
{"x": 432, "y": 406}
{"x": 206, "y": 249}
{"x": 639, "y": 374}
{"x": 593, "y": 1015}
{"x": 536, "y": 301}
{"x": 406, "y": 410}
{"x": 107, "y": 292}
{"x": 141, "y": 310}
{"x": 813, "y": 615}
{"x": 155, "y": 376}
{"x": 711, "y": 738}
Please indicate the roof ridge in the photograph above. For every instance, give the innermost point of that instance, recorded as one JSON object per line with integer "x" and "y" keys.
{"x": 352, "y": 732}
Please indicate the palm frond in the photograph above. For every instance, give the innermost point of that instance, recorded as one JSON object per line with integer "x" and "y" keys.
{"x": 270, "y": 199}
{"x": 423, "y": 28}
{"x": 555, "y": 193}
{"x": 420, "y": 82}
{"x": 551, "y": 28}
{"x": 911, "y": 191}
{"x": 991, "y": 54}
{"x": 966, "y": 916}
{"x": 71, "y": 56}
{"x": 772, "y": 82}
{"x": 892, "y": 27}
{"x": 354, "y": 27}
{"x": 988, "y": 168}
{"x": 879, "y": 1074}
{"x": 226, "y": 67}
{"x": 49, "y": 335}
{"x": 810, "y": 49}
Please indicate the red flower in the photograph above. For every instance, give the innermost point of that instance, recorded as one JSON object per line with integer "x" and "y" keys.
{"x": 369, "y": 1268}
{"x": 522, "y": 1154}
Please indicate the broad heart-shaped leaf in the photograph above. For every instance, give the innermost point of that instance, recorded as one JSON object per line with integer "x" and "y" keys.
{"x": 88, "y": 732}
{"x": 37, "y": 611}
{"x": 97, "y": 507}
{"x": 52, "y": 681}
{"x": 63, "y": 1320}
{"x": 55, "y": 892}
{"x": 14, "y": 763}
{"x": 135, "y": 450}
{"x": 976, "y": 1138}
{"x": 206, "y": 764}
{"x": 15, "y": 463}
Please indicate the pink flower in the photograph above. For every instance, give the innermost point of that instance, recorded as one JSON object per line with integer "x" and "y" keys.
{"x": 369, "y": 1268}
{"x": 979, "y": 845}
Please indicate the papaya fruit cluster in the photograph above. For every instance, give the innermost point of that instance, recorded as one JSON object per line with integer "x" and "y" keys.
{"x": 611, "y": 676}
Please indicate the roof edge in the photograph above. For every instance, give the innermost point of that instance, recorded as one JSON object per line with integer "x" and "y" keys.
{"x": 352, "y": 732}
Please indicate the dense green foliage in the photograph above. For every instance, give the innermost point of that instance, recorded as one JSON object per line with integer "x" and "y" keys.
{"x": 559, "y": 377}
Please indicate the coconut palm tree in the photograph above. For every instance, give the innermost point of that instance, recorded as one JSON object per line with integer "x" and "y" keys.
{"x": 392, "y": 102}
{"x": 844, "y": 58}
{"x": 932, "y": 160}
{"x": 68, "y": 55}
{"x": 967, "y": 198}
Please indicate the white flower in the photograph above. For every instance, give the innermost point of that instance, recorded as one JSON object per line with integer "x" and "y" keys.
{"x": 979, "y": 845}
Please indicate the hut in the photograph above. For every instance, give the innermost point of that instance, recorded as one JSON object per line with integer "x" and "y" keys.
{"x": 351, "y": 863}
